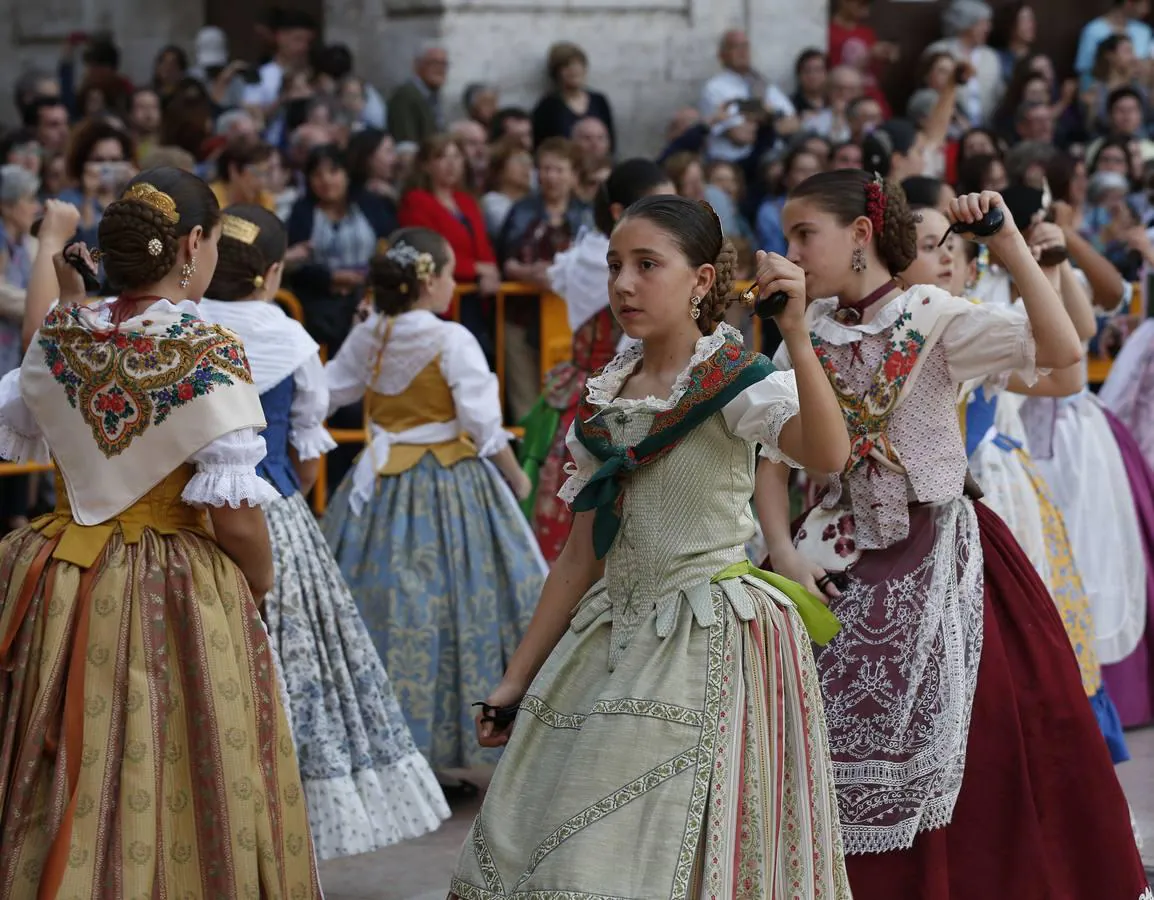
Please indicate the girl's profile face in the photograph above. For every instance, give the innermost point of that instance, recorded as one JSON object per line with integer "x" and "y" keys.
{"x": 651, "y": 282}
{"x": 820, "y": 245}
{"x": 441, "y": 287}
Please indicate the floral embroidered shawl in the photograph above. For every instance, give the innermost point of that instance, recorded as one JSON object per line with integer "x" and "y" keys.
{"x": 121, "y": 408}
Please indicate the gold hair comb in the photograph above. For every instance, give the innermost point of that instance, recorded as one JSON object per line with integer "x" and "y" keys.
{"x": 157, "y": 199}
{"x": 239, "y": 229}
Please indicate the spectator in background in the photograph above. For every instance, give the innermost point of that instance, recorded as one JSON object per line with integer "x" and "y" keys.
{"x": 558, "y": 112}
{"x": 334, "y": 74}
{"x": 372, "y": 158}
{"x": 1126, "y": 119}
{"x": 243, "y": 172}
{"x": 1126, "y": 17}
{"x": 1012, "y": 34}
{"x": 800, "y": 164}
{"x": 31, "y": 84}
{"x": 853, "y": 43}
{"x": 293, "y": 35}
{"x": 19, "y": 148}
{"x": 53, "y": 176}
{"x": 894, "y": 151}
{"x": 415, "y": 109}
{"x": 480, "y": 101}
{"x": 435, "y": 200}
{"x": 1115, "y": 67}
{"x": 1034, "y": 122}
{"x": 144, "y": 119}
{"x": 863, "y": 115}
{"x": 47, "y": 118}
{"x": 101, "y": 66}
{"x": 982, "y": 173}
{"x": 967, "y": 24}
{"x": 593, "y": 139}
{"x": 168, "y": 70}
{"x": 473, "y": 141}
{"x": 166, "y": 156}
{"x": 845, "y": 86}
{"x": 537, "y": 228}
{"x": 749, "y": 101}
{"x": 100, "y": 162}
{"x": 811, "y": 72}
{"x": 687, "y": 175}
{"x": 513, "y": 121}
{"x": 510, "y": 179}
{"x": 333, "y": 231}
{"x": 845, "y": 156}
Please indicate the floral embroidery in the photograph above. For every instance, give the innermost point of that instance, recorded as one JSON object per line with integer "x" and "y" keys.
{"x": 124, "y": 382}
{"x": 867, "y": 416}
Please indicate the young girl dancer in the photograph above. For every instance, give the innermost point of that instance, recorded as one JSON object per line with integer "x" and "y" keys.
{"x": 427, "y": 533}
{"x": 144, "y": 751}
{"x": 366, "y": 784}
{"x": 967, "y": 764}
{"x": 999, "y": 456}
{"x": 579, "y": 275}
{"x": 669, "y": 741}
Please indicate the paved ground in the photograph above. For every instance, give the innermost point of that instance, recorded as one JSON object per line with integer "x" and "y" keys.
{"x": 420, "y": 869}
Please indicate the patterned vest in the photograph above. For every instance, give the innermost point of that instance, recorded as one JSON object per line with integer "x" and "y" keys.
{"x": 277, "y": 467}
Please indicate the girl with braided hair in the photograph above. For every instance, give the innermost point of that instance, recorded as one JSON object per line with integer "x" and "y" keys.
{"x": 666, "y": 741}
{"x": 425, "y": 526}
{"x": 366, "y": 784}
{"x": 144, "y": 748}
{"x": 967, "y": 760}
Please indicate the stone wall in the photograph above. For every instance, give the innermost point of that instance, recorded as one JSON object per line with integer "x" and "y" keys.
{"x": 649, "y": 56}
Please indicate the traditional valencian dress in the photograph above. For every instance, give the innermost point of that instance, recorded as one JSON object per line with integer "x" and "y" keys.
{"x": 579, "y": 275}
{"x": 967, "y": 762}
{"x": 366, "y": 783}
{"x": 145, "y": 749}
{"x": 999, "y": 455}
{"x": 427, "y": 533}
{"x": 673, "y": 744}
{"x": 1128, "y": 399}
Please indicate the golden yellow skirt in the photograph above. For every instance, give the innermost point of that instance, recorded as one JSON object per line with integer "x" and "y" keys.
{"x": 144, "y": 750}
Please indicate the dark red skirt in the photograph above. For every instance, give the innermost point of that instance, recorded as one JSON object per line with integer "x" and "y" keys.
{"x": 1041, "y": 815}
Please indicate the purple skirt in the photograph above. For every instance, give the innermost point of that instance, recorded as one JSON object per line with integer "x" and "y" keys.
{"x": 1131, "y": 681}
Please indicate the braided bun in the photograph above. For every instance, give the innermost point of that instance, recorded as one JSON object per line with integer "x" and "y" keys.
{"x": 141, "y": 241}
{"x": 241, "y": 265}
{"x": 394, "y": 278}
{"x": 716, "y": 302}
{"x": 898, "y": 241}
{"x": 126, "y": 234}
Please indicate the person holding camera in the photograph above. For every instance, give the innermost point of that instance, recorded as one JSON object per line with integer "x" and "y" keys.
{"x": 100, "y": 162}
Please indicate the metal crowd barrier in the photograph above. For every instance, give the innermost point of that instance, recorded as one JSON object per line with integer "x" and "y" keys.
{"x": 555, "y": 341}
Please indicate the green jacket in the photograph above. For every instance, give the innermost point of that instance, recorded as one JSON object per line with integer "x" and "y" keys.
{"x": 411, "y": 117}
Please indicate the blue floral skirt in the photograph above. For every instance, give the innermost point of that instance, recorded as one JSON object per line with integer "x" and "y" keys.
{"x": 366, "y": 784}
{"x": 446, "y": 574}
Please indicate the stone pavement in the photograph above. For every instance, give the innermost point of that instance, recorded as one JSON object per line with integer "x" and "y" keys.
{"x": 420, "y": 869}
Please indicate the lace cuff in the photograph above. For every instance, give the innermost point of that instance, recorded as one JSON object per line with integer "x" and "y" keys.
{"x": 228, "y": 487}
{"x": 775, "y": 418}
{"x": 494, "y": 444}
{"x": 22, "y": 448}
{"x": 573, "y": 485}
{"x": 312, "y": 442}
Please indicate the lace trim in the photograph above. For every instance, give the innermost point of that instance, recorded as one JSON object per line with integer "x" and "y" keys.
{"x": 312, "y": 442}
{"x": 573, "y": 485}
{"x": 228, "y": 487}
{"x": 494, "y": 444}
{"x": 603, "y": 388}
{"x": 825, "y": 326}
{"x": 416, "y": 340}
{"x": 22, "y": 448}
{"x": 776, "y": 415}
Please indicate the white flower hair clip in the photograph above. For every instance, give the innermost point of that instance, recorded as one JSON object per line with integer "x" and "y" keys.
{"x": 408, "y": 255}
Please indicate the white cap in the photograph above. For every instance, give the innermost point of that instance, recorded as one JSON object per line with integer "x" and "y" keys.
{"x": 211, "y": 48}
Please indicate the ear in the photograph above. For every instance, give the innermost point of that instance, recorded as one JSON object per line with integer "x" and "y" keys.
{"x": 195, "y": 239}
{"x": 862, "y": 231}
{"x": 706, "y": 276}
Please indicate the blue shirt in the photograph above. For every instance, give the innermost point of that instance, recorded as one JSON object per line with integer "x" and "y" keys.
{"x": 770, "y": 237}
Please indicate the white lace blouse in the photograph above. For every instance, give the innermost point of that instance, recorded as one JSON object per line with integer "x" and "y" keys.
{"x": 756, "y": 415}
{"x": 417, "y": 338}
{"x": 225, "y": 468}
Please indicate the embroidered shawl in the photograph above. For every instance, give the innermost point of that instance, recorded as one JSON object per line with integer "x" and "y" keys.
{"x": 713, "y": 383}
{"x": 121, "y": 408}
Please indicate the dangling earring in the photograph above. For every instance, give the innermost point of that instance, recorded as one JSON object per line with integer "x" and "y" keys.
{"x": 858, "y": 261}
{"x": 186, "y": 272}
{"x": 695, "y": 307}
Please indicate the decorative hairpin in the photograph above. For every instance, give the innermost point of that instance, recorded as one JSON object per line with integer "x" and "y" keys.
{"x": 407, "y": 255}
{"x": 157, "y": 199}
{"x": 239, "y": 229}
{"x": 258, "y": 281}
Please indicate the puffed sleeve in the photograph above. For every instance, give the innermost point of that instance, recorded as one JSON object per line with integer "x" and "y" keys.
{"x": 990, "y": 343}
{"x": 226, "y": 472}
{"x": 307, "y": 432}
{"x": 758, "y": 413}
{"x": 580, "y": 471}
{"x": 348, "y": 372}
{"x": 20, "y": 437}
{"x": 476, "y": 394}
